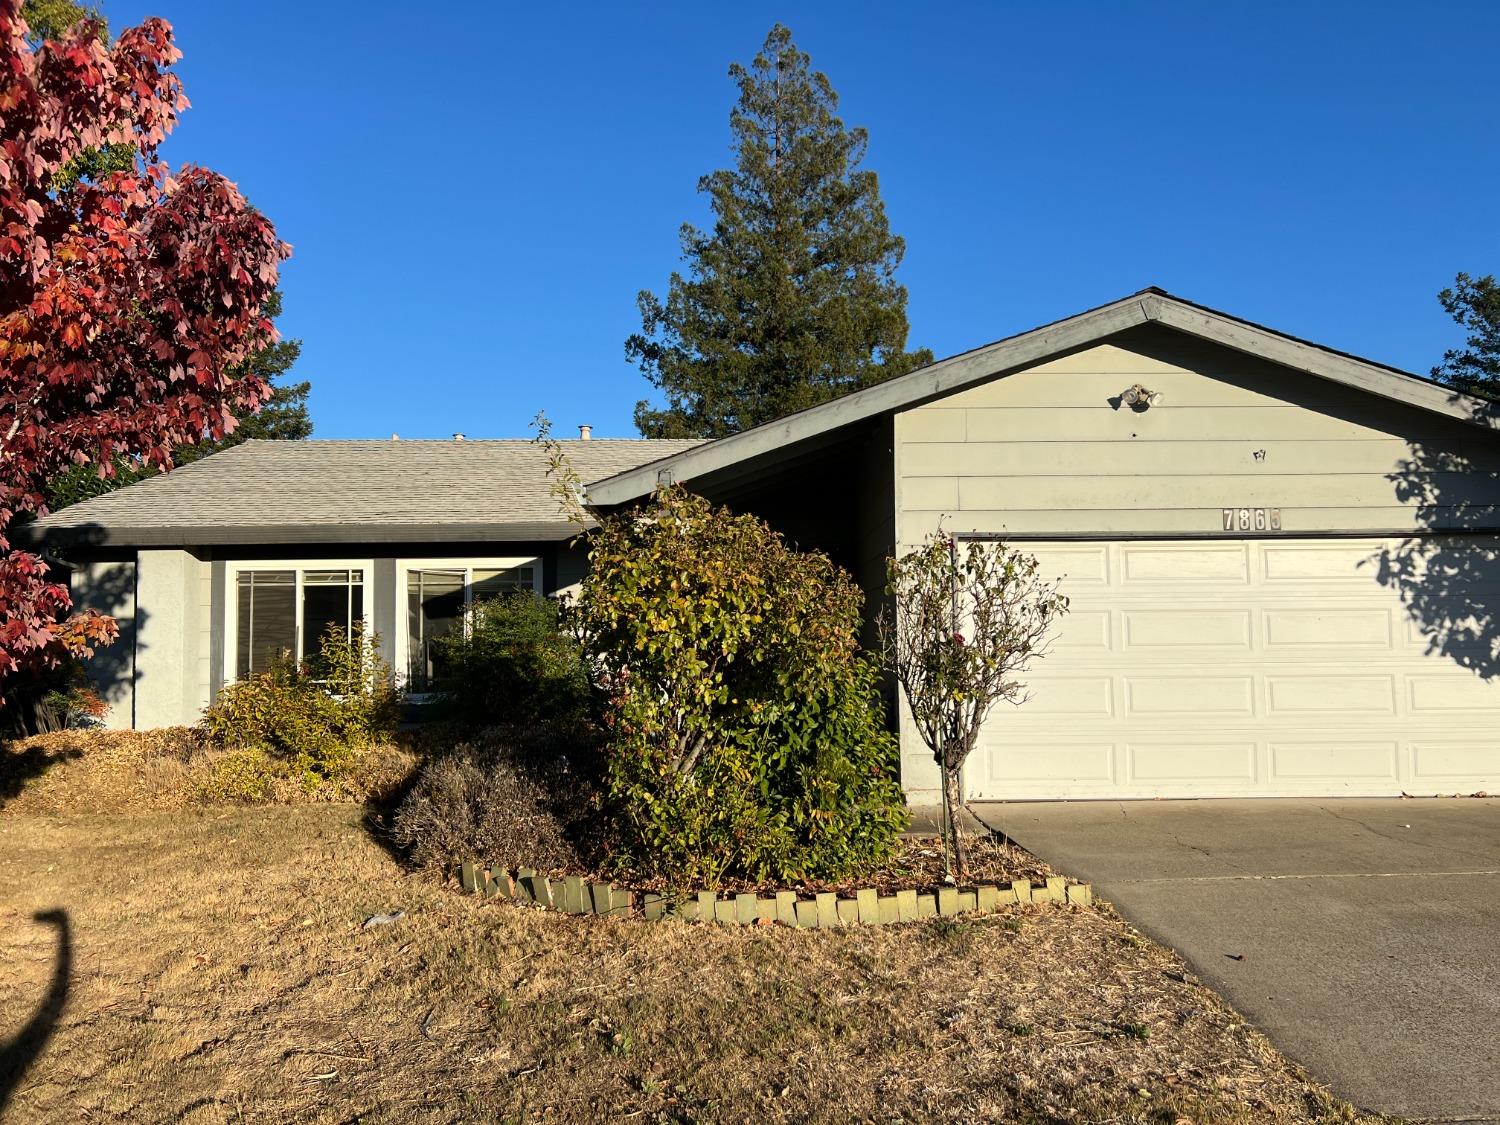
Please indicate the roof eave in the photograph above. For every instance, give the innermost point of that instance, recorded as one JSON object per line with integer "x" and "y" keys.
{"x": 38, "y": 535}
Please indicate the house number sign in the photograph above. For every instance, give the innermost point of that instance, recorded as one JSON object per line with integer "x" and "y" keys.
{"x": 1252, "y": 519}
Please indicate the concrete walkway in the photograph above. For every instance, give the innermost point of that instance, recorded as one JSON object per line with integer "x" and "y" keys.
{"x": 1369, "y": 930}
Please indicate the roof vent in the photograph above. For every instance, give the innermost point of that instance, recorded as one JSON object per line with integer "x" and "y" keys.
{"x": 395, "y": 437}
{"x": 458, "y": 437}
{"x": 585, "y": 432}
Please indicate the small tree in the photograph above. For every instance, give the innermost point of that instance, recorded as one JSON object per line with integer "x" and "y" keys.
{"x": 965, "y": 621}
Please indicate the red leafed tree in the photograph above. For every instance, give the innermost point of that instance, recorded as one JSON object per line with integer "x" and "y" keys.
{"x": 124, "y": 303}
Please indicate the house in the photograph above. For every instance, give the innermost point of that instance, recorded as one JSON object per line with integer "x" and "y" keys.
{"x": 1281, "y": 558}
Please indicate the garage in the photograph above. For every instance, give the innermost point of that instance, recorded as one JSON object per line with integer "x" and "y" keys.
{"x": 1283, "y": 559}
{"x": 1257, "y": 667}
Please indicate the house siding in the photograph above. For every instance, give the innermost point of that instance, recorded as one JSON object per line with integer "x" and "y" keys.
{"x": 1041, "y": 452}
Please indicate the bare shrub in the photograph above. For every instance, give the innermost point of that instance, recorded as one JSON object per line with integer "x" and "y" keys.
{"x": 510, "y": 798}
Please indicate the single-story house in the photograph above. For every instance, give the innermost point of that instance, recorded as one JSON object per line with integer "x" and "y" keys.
{"x": 1282, "y": 559}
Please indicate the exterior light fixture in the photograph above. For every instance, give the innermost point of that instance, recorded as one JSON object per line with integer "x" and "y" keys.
{"x": 1140, "y": 398}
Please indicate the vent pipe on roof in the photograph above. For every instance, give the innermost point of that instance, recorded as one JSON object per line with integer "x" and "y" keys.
{"x": 458, "y": 437}
{"x": 585, "y": 432}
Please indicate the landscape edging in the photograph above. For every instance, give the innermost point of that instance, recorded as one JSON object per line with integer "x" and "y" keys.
{"x": 825, "y": 910}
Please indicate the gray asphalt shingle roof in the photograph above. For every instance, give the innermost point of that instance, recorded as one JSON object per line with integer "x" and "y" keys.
{"x": 349, "y": 491}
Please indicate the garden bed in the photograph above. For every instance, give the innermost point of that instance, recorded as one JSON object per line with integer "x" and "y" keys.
{"x": 823, "y": 910}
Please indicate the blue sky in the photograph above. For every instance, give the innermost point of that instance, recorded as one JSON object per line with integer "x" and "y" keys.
{"x": 474, "y": 206}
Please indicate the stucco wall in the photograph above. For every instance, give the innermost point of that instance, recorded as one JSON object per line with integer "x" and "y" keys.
{"x": 173, "y": 630}
{"x": 109, "y": 587}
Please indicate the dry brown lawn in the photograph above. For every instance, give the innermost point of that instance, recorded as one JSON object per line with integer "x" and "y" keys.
{"x": 219, "y": 973}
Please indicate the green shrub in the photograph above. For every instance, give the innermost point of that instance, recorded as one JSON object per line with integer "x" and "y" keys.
{"x": 512, "y": 663}
{"x": 310, "y": 720}
{"x": 745, "y": 726}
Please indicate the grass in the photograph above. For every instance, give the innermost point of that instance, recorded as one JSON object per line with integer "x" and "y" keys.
{"x": 220, "y": 973}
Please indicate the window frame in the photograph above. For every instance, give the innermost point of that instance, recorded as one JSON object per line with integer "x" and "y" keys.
{"x": 233, "y": 568}
{"x": 465, "y": 563}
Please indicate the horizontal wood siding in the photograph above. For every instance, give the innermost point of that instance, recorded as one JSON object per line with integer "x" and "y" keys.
{"x": 1049, "y": 450}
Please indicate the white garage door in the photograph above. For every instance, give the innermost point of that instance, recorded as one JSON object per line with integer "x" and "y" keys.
{"x": 1253, "y": 668}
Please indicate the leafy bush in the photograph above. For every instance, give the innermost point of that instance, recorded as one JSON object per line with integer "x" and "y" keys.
{"x": 309, "y": 720}
{"x": 746, "y": 732}
{"x": 42, "y": 700}
{"x": 517, "y": 799}
{"x": 513, "y": 663}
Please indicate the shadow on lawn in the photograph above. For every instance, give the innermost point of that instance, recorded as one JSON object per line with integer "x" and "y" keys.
{"x": 19, "y": 767}
{"x": 17, "y": 1056}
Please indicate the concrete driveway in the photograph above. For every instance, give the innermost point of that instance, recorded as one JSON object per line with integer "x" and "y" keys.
{"x": 1369, "y": 929}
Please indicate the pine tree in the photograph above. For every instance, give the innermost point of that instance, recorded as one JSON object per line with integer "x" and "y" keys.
{"x": 284, "y": 417}
{"x": 791, "y": 297}
{"x": 1474, "y": 302}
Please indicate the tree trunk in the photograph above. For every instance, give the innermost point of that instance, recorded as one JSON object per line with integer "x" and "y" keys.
{"x": 953, "y": 808}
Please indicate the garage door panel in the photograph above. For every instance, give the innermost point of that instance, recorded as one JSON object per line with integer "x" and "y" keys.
{"x": 1356, "y": 695}
{"x": 1188, "y": 694}
{"x": 1327, "y": 760}
{"x": 1263, "y": 667}
{"x": 1206, "y": 761}
{"x": 1348, "y": 563}
{"x": 1179, "y": 564}
{"x": 1459, "y": 691}
{"x": 1471, "y": 763}
{"x": 1070, "y": 695}
{"x": 1082, "y": 565}
{"x": 1052, "y": 762}
{"x": 1086, "y": 629}
{"x": 1186, "y": 629}
{"x": 1300, "y": 630}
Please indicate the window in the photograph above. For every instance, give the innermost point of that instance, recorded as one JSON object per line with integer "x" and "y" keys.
{"x": 287, "y": 610}
{"x": 436, "y": 600}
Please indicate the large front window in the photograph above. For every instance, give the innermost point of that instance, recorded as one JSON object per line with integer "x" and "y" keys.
{"x": 437, "y": 598}
{"x": 285, "y": 610}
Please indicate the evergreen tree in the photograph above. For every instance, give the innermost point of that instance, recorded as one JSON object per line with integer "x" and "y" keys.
{"x": 1474, "y": 302}
{"x": 284, "y": 417}
{"x": 791, "y": 298}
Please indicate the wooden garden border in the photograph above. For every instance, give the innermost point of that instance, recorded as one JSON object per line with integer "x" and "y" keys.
{"x": 575, "y": 895}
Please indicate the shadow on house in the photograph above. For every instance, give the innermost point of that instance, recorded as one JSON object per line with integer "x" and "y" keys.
{"x": 17, "y": 1056}
{"x": 1449, "y": 582}
{"x": 98, "y": 578}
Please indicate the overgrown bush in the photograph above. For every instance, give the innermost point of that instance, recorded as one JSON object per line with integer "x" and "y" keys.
{"x": 745, "y": 731}
{"x": 309, "y": 720}
{"x": 515, "y": 797}
{"x": 514, "y": 664}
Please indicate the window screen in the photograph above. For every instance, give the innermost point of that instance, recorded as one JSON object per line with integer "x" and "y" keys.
{"x": 331, "y": 600}
{"x": 434, "y": 606}
{"x": 267, "y": 619}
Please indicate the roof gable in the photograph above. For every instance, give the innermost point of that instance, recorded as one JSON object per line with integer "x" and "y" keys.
{"x": 969, "y": 369}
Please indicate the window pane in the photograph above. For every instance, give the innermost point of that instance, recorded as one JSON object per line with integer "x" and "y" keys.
{"x": 434, "y": 606}
{"x": 492, "y": 583}
{"x": 266, "y": 617}
{"x": 330, "y": 599}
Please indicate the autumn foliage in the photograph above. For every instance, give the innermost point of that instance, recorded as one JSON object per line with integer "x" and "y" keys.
{"x": 124, "y": 302}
